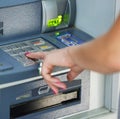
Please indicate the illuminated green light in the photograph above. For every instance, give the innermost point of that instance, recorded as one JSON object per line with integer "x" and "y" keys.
{"x": 55, "y": 22}
{"x": 57, "y": 33}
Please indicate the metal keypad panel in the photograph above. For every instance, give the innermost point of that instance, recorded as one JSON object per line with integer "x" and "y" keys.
{"x": 18, "y": 50}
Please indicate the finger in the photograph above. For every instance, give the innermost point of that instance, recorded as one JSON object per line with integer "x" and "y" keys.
{"x": 37, "y": 55}
{"x": 56, "y": 85}
{"x": 49, "y": 78}
{"x": 53, "y": 82}
{"x": 54, "y": 88}
{"x": 72, "y": 74}
{"x": 60, "y": 85}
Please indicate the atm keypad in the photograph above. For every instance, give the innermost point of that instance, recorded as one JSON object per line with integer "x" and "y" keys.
{"x": 18, "y": 50}
{"x": 24, "y": 60}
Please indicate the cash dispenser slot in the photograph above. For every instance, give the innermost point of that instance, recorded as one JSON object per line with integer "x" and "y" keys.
{"x": 44, "y": 103}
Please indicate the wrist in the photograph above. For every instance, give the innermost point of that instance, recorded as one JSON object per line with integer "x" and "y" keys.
{"x": 71, "y": 53}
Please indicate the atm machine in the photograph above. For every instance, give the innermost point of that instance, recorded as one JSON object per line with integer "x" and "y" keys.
{"x": 38, "y": 25}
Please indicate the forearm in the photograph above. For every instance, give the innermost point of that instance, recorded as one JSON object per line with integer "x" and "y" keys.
{"x": 102, "y": 54}
{"x": 93, "y": 55}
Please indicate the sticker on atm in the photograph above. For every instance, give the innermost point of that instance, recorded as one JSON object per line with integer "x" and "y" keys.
{"x": 45, "y": 47}
{"x": 38, "y": 42}
{"x": 69, "y": 39}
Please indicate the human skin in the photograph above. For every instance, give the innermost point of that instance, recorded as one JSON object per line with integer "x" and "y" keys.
{"x": 101, "y": 54}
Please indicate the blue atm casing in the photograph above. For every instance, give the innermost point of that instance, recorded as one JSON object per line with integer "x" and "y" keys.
{"x": 24, "y": 27}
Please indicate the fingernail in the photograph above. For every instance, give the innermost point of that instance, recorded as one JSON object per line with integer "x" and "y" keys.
{"x": 55, "y": 92}
{"x": 63, "y": 88}
{"x": 27, "y": 53}
{"x": 58, "y": 82}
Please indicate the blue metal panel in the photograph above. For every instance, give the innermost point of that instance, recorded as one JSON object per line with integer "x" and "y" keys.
{"x": 52, "y": 38}
{"x": 19, "y": 72}
{"x": 6, "y": 3}
{"x": 20, "y": 21}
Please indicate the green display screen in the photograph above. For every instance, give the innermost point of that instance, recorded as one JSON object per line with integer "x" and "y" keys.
{"x": 55, "y": 22}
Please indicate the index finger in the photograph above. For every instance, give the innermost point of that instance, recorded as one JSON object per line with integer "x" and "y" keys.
{"x": 36, "y": 55}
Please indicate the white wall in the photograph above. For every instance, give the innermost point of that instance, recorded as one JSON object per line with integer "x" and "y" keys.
{"x": 95, "y": 17}
{"x": 117, "y": 7}
{"x": 96, "y": 90}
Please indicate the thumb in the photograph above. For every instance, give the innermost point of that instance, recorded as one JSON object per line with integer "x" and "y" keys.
{"x": 74, "y": 72}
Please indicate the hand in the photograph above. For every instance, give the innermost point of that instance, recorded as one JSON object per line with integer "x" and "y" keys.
{"x": 56, "y": 58}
